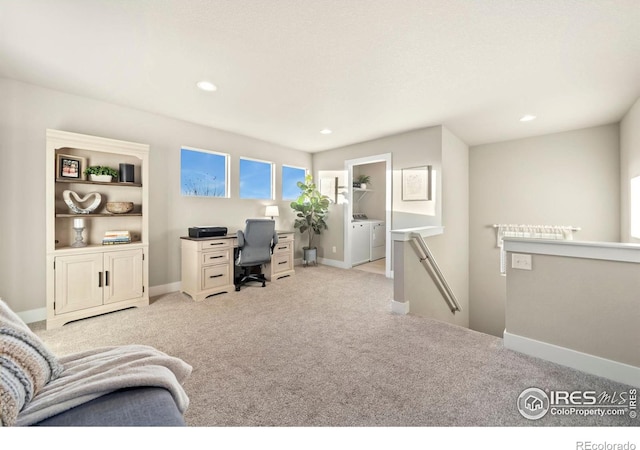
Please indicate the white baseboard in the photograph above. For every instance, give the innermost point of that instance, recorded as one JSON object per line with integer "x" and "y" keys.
{"x": 399, "y": 307}
{"x": 333, "y": 263}
{"x": 595, "y": 365}
{"x": 164, "y": 289}
{"x": 39, "y": 314}
{"x": 33, "y": 315}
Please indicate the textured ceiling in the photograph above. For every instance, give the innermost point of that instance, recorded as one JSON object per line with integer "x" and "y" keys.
{"x": 285, "y": 69}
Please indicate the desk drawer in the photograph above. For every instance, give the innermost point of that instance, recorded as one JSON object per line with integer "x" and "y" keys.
{"x": 215, "y": 276}
{"x": 216, "y": 244}
{"x": 285, "y": 237}
{"x": 217, "y": 257}
{"x": 282, "y": 263}
{"x": 282, "y": 247}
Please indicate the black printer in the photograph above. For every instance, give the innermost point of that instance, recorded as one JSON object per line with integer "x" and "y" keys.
{"x": 205, "y": 232}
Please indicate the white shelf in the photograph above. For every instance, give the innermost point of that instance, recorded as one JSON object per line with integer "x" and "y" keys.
{"x": 363, "y": 193}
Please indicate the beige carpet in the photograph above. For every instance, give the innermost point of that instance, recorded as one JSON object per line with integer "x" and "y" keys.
{"x": 377, "y": 266}
{"x": 321, "y": 348}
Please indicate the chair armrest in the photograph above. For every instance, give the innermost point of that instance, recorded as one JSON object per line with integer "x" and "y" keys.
{"x": 240, "y": 238}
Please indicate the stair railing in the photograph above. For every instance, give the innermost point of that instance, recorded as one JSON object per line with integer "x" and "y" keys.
{"x": 430, "y": 264}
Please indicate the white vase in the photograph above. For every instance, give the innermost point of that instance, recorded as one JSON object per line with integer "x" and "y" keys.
{"x": 363, "y": 185}
{"x": 101, "y": 178}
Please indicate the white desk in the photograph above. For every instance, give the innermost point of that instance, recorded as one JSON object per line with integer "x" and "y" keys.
{"x": 208, "y": 263}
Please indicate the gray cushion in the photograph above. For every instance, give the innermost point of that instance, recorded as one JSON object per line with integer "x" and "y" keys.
{"x": 141, "y": 407}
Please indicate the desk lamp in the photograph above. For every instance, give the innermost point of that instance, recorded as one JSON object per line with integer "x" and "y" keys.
{"x": 272, "y": 211}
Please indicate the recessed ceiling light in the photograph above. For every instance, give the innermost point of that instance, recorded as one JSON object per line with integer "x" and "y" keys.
{"x": 527, "y": 118}
{"x": 326, "y": 131}
{"x": 206, "y": 86}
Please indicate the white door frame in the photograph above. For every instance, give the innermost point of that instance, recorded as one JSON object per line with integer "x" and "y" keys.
{"x": 348, "y": 206}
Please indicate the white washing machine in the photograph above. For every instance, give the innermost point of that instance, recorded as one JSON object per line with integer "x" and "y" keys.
{"x": 360, "y": 238}
{"x": 368, "y": 239}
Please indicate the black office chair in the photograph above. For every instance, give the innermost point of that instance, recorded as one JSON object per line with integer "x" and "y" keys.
{"x": 255, "y": 247}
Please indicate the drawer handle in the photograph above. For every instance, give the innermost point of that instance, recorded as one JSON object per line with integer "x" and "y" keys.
{"x": 282, "y": 248}
{"x": 106, "y": 278}
{"x": 100, "y": 279}
{"x": 215, "y": 257}
{"x": 283, "y": 262}
{"x": 216, "y": 243}
{"x": 216, "y": 276}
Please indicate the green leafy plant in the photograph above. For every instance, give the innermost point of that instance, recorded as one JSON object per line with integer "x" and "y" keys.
{"x": 311, "y": 209}
{"x": 100, "y": 170}
{"x": 364, "y": 179}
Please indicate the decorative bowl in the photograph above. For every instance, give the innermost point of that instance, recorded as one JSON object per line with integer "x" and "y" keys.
{"x": 119, "y": 207}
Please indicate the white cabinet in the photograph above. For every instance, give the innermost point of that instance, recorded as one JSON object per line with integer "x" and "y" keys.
{"x": 92, "y": 279}
{"x": 77, "y": 284}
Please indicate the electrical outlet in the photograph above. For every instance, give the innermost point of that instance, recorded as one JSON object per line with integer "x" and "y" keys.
{"x": 520, "y": 261}
{"x": 333, "y": 249}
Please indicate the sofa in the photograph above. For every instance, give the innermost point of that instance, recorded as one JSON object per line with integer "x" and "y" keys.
{"x": 137, "y": 407}
{"x": 131, "y": 385}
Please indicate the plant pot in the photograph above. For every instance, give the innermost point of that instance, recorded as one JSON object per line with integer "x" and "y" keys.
{"x": 363, "y": 185}
{"x": 101, "y": 178}
{"x": 310, "y": 256}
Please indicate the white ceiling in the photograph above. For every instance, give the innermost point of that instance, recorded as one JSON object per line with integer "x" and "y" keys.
{"x": 285, "y": 69}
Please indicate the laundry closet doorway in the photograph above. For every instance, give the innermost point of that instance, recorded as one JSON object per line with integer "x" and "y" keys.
{"x": 368, "y": 212}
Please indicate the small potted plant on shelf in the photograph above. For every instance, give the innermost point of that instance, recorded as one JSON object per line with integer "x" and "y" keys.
{"x": 311, "y": 208}
{"x": 362, "y": 181}
{"x": 101, "y": 173}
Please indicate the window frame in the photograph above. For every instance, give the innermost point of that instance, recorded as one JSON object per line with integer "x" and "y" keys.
{"x": 227, "y": 171}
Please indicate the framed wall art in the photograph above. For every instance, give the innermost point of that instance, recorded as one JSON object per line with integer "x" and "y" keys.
{"x": 416, "y": 183}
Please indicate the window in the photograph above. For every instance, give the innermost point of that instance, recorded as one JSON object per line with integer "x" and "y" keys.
{"x": 203, "y": 173}
{"x": 290, "y": 177}
{"x": 256, "y": 179}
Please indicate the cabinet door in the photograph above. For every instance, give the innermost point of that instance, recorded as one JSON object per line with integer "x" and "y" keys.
{"x": 78, "y": 282}
{"x": 123, "y": 275}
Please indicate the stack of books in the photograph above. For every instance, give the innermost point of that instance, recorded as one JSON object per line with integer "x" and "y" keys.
{"x": 116, "y": 237}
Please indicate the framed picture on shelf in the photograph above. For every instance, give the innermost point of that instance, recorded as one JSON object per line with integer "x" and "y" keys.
{"x": 70, "y": 167}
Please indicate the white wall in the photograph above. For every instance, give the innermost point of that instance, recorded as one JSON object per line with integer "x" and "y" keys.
{"x": 629, "y": 165}
{"x": 570, "y": 178}
{"x": 410, "y": 149}
{"x": 26, "y": 111}
{"x": 450, "y": 249}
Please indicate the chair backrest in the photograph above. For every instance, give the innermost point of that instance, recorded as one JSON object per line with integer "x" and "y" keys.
{"x": 256, "y": 242}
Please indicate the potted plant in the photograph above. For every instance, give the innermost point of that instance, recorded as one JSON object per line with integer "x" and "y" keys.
{"x": 101, "y": 173}
{"x": 311, "y": 209}
{"x": 362, "y": 181}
